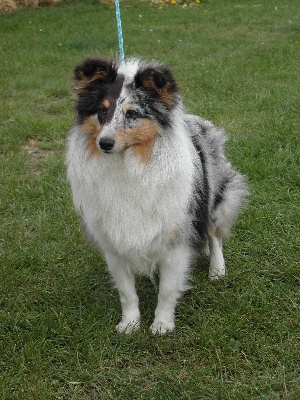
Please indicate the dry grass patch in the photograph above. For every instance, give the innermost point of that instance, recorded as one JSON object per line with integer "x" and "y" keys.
{"x": 37, "y": 154}
{"x": 13, "y": 5}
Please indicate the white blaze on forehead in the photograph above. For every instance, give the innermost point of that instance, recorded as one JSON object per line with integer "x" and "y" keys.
{"x": 129, "y": 69}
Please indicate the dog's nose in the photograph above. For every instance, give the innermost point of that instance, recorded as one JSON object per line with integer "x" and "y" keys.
{"x": 106, "y": 144}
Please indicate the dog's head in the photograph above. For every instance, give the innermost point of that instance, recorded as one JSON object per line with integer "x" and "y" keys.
{"x": 124, "y": 107}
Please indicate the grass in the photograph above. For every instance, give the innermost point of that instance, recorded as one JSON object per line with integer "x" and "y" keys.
{"x": 238, "y": 64}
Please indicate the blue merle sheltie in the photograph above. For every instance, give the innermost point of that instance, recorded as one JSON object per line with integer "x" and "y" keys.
{"x": 150, "y": 182}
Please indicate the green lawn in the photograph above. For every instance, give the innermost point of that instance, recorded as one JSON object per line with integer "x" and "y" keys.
{"x": 237, "y": 62}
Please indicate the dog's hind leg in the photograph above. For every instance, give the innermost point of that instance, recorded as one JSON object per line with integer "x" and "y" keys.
{"x": 173, "y": 274}
{"x": 125, "y": 283}
{"x": 217, "y": 263}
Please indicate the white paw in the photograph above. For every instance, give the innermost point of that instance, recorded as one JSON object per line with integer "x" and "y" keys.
{"x": 162, "y": 326}
{"x": 128, "y": 326}
{"x": 215, "y": 274}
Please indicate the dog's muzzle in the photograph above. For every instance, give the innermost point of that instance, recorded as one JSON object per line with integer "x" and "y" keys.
{"x": 106, "y": 144}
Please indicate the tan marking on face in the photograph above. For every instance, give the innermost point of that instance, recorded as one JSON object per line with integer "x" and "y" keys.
{"x": 127, "y": 107}
{"x": 140, "y": 138}
{"x": 106, "y": 103}
{"x": 92, "y": 129}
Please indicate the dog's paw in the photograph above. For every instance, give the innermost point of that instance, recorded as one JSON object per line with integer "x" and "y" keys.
{"x": 215, "y": 274}
{"x": 128, "y": 326}
{"x": 162, "y": 326}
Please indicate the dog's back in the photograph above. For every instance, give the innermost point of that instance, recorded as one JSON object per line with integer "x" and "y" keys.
{"x": 150, "y": 182}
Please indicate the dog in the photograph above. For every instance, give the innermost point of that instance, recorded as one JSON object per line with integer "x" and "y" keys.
{"x": 150, "y": 181}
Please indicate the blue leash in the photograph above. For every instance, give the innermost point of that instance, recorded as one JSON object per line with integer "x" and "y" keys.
{"x": 120, "y": 34}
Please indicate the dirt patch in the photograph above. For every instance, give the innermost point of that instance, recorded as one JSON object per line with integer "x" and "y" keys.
{"x": 34, "y": 151}
{"x": 36, "y": 155}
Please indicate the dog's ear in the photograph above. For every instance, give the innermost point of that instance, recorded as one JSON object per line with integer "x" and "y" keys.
{"x": 93, "y": 71}
{"x": 159, "y": 84}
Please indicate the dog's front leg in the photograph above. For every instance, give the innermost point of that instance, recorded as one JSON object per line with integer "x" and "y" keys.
{"x": 125, "y": 283}
{"x": 173, "y": 274}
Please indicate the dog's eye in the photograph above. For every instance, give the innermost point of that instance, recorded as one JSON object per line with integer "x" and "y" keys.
{"x": 102, "y": 113}
{"x": 132, "y": 114}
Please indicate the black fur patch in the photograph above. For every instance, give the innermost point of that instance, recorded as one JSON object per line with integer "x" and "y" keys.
{"x": 220, "y": 194}
{"x": 107, "y": 71}
{"x": 96, "y": 81}
{"x": 200, "y": 210}
{"x": 153, "y": 111}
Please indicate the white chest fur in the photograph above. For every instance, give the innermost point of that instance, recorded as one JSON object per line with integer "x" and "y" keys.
{"x": 127, "y": 206}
